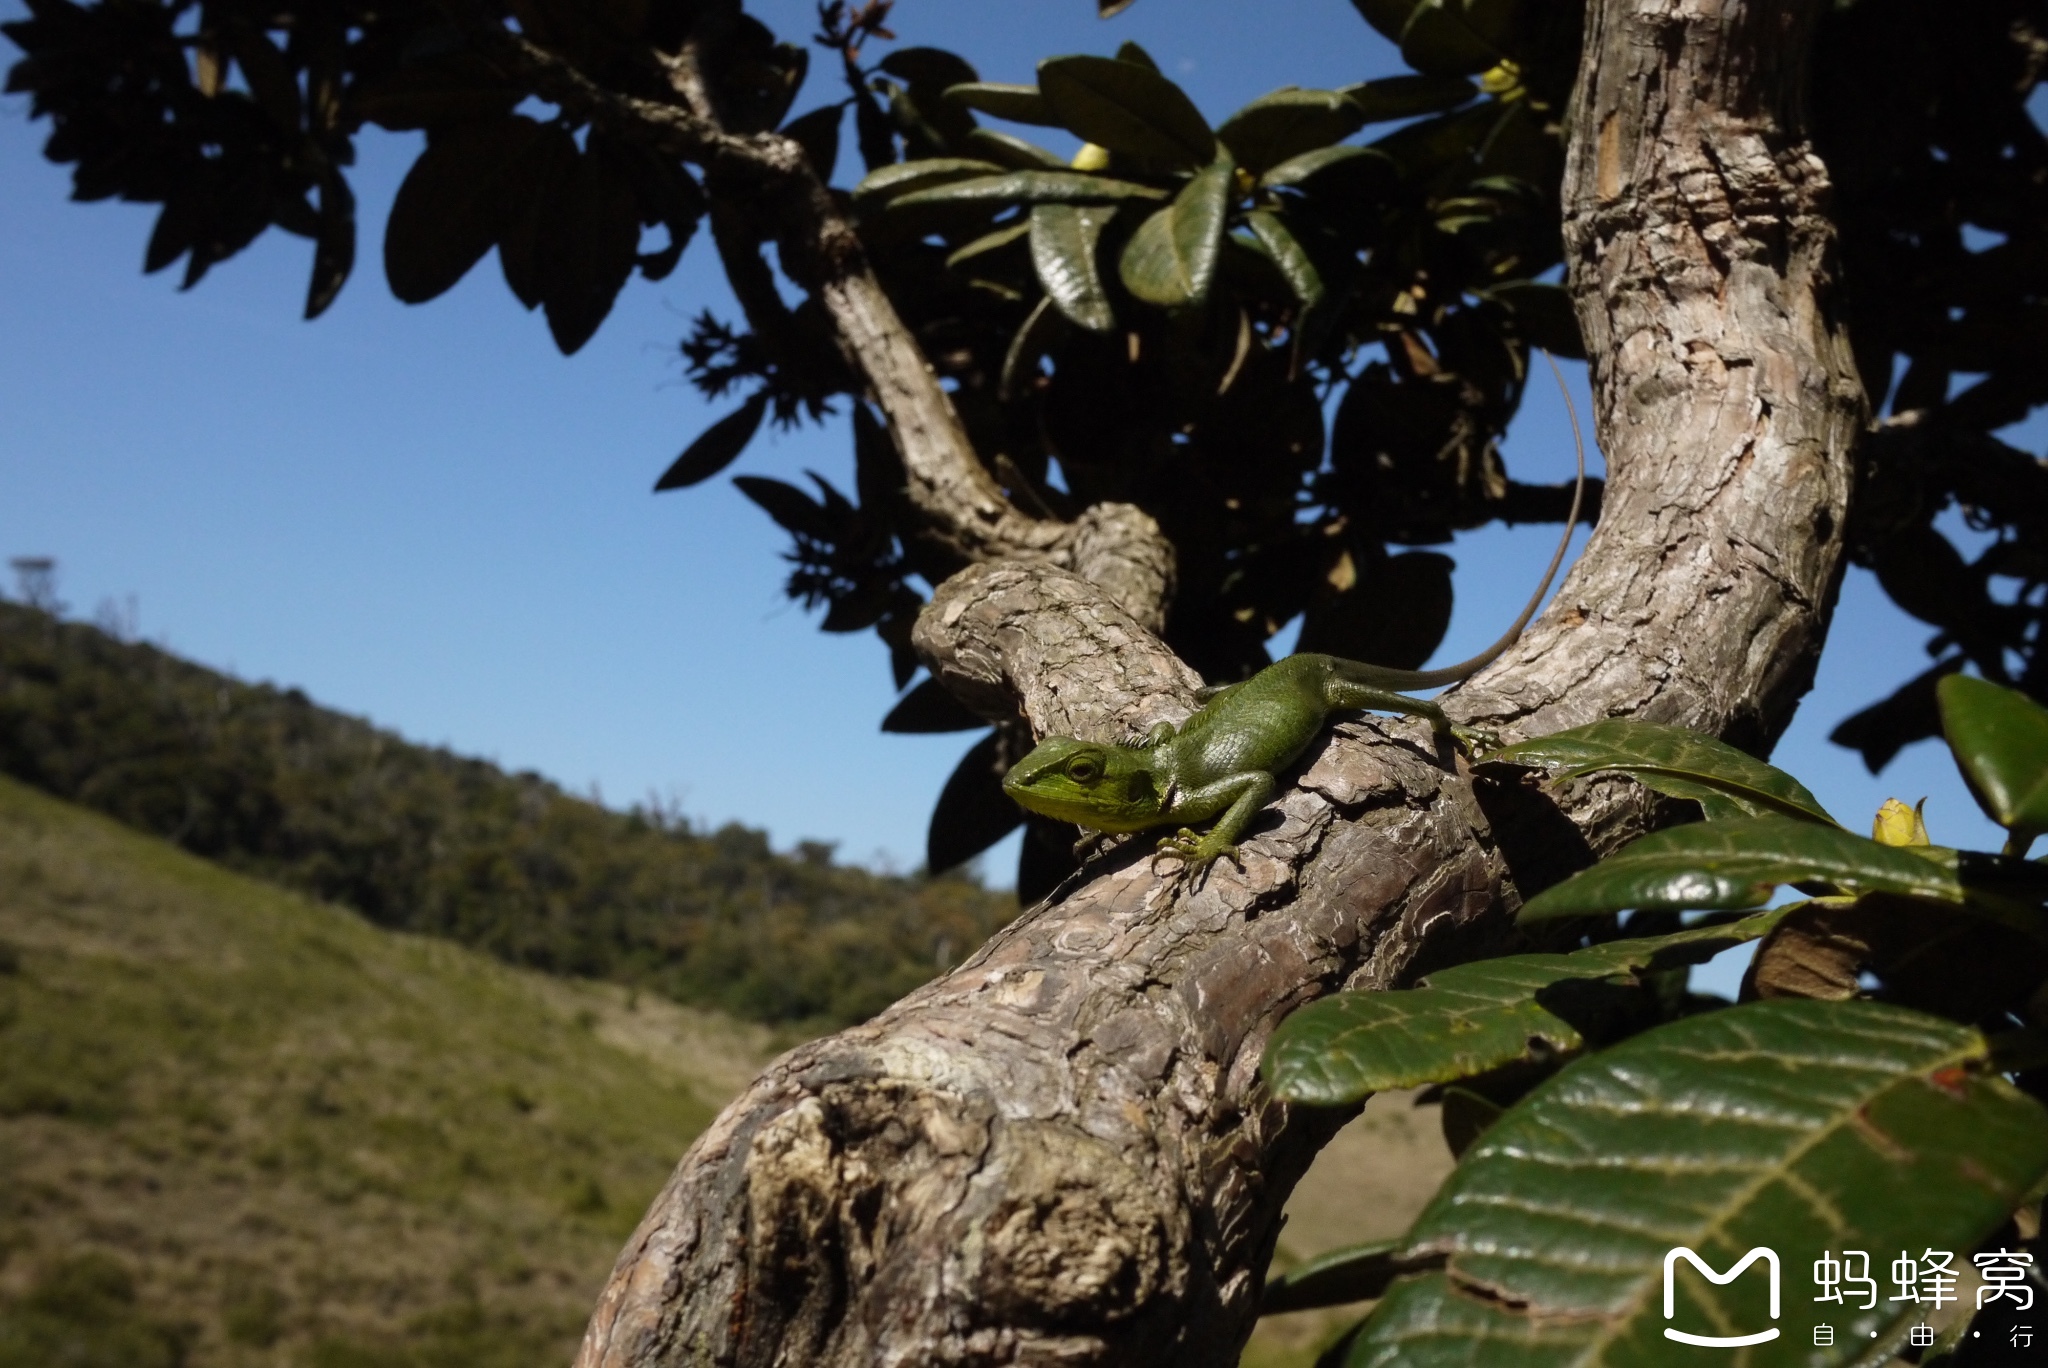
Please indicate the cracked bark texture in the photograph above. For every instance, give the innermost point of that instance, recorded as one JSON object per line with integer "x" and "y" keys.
{"x": 1060, "y": 1152}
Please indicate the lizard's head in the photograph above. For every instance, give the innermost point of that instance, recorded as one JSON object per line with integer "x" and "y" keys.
{"x": 1103, "y": 788}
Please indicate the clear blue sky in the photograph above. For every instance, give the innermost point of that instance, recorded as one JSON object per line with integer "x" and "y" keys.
{"x": 428, "y": 517}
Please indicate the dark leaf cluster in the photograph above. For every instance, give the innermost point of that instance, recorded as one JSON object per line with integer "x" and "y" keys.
{"x": 1941, "y": 184}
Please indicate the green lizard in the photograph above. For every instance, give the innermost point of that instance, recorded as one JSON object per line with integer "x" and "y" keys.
{"x": 1226, "y": 757}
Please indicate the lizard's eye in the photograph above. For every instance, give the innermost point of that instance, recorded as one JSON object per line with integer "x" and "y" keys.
{"x": 1082, "y": 769}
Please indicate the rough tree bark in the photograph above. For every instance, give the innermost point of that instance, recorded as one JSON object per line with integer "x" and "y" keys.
{"x": 1060, "y": 1152}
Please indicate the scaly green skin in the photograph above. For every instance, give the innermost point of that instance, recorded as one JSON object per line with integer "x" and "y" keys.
{"x": 1223, "y": 760}
{"x": 1227, "y": 758}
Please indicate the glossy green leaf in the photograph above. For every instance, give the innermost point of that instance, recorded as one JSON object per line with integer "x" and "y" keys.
{"x": 717, "y": 447}
{"x": 1018, "y": 103}
{"x": 1796, "y": 1127}
{"x": 1127, "y": 108}
{"x": 990, "y": 242}
{"x": 1737, "y": 863}
{"x": 1439, "y": 41}
{"x": 1307, "y": 170}
{"x": 1287, "y": 123}
{"x": 906, "y": 177}
{"x": 1171, "y": 260}
{"x": 1287, "y": 253}
{"x": 1013, "y": 152}
{"x": 1404, "y": 97}
{"x": 2000, "y": 740}
{"x": 1357, "y": 1272}
{"x": 1064, "y": 238}
{"x": 1467, "y": 1020}
{"x": 1032, "y": 187}
{"x": 1724, "y": 781}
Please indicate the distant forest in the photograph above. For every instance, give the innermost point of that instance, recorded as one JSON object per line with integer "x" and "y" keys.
{"x": 417, "y": 839}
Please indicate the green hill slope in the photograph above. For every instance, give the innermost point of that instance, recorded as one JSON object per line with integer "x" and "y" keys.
{"x": 241, "y": 1128}
{"x": 264, "y": 780}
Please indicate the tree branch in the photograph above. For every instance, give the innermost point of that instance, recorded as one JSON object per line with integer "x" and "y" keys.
{"x": 1060, "y": 1152}
{"x": 963, "y": 509}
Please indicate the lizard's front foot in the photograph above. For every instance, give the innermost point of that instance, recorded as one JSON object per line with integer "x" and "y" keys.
{"x": 1474, "y": 741}
{"x": 1197, "y": 853}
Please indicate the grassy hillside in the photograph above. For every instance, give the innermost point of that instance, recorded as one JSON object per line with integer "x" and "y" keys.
{"x": 240, "y": 1128}
{"x": 265, "y": 781}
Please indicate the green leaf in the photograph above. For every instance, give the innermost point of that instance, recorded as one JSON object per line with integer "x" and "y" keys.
{"x": 929, "y": 708}
{"x": 1171, "y": 260}
{"x": 1792, "y": 1126}
{"x": 906, "y": 177}
{"x": 1018, "y": 103}
{"x": 1304, "y": 171}
{"x": 448, "y": 210}
{"x": 2000, "y": 740}
{"x": 1736, "y": 864}
{"x": 1063, "y": 242}
{"x": 528, "y": 188}
{"x": 1438, "y": 41}
{"x": 1724, "y": 781}
{"x": 1468, "y": 1020}
{"x": 1543, "y": 315}
{"x": 795, "y": 510}
{"x": 1357, "y": 1272}
{"x": 1404, "y": 97}
{"x": 717, "y": 447}
{"x": 989, "y": 242}
{"x": 929, "y": 66}
{"x": 1015, "y": 153}
{"x": 447, "y": 88}
{"x": 1031, "y": 187}
{"x": 1287, "y": 253}
{"x": 1128, "y": 51}
{"x": 1127, "y": 108}
{"x": 1029, "y": 343}
{"x": 592, "y": 234}
{"x": 334, "y": 251}
{"x": 1388, "y": 16}
{"x": 1287, "y": 123}
{"x": 973, "y": 812}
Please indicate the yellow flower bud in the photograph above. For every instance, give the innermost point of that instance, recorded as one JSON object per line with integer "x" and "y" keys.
{"x": 1899, "y": 825}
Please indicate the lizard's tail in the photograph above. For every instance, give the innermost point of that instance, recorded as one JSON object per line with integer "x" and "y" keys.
{"x": 1465, "y": 669}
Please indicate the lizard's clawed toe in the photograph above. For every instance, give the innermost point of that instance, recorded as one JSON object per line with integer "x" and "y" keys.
{"x": 1475, "y": 741}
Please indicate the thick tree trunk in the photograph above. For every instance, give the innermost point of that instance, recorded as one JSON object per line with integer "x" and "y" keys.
{"x": 1060, "y": 1152}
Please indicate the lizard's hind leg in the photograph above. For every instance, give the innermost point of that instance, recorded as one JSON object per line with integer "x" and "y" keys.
{"x": 1350, "y": 696}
